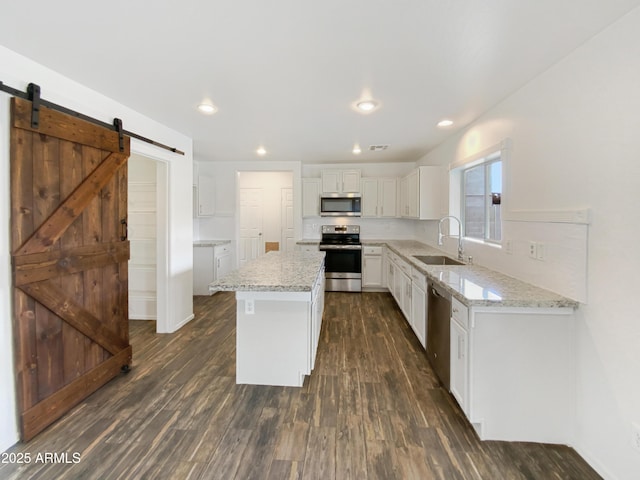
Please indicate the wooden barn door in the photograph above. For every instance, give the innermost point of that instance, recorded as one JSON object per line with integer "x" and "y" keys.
{"x": 69, "y": 252}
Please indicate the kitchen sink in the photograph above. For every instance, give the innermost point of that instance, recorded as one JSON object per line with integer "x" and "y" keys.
{"x": 437, "y": 260}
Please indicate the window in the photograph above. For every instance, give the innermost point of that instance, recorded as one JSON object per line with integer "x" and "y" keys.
{"x": 481, "y": 199}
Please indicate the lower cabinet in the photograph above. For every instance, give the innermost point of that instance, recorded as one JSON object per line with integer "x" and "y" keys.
{"x": 210, "y": 263}
{"x": 277, "y": 335}
{"x": 459, "y": 373}
{"x": 372, "y": 267}
{"x": 419, "y": 307}
{"x": 408, "y": 287}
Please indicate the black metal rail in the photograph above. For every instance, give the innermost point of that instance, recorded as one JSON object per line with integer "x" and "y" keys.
{"x": 33, "y": 94}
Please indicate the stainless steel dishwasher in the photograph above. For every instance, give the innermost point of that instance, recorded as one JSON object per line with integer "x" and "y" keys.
{"x": 438, "y": 333}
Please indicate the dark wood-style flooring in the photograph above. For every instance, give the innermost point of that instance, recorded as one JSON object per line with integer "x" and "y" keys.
{"x": 372, "y": 409}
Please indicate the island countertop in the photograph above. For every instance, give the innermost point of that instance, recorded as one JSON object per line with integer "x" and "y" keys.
{"x": 274, "y": 272}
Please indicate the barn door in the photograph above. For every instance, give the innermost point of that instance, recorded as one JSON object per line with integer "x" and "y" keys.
{"x": 69, "y": 253}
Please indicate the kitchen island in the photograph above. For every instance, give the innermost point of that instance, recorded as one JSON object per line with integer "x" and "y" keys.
{"x": 280, "y": 300}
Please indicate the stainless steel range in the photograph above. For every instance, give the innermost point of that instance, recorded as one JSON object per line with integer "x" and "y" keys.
{"x": 343, "y": 262}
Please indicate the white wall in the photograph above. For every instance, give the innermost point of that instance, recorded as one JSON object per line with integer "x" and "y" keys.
{"x": 576, "y": 145}
{"x": 18, "y": 71}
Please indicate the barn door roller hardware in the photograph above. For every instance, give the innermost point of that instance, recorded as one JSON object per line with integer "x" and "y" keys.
{"x": 33, "y": 94}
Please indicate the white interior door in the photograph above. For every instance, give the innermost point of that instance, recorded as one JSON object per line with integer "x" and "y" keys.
{"x": 142, "y": 230}
{"x": 251, "y": 239}
{"x": 286, "y": 221}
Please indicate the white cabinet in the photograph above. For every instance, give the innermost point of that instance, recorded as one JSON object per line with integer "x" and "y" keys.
{"x": 307, "y": 248}
{"x": 277, "y": 335}
{"x": 418, "y": 319}
{"x": 419, "y": 194}
{"x": 372, "y": 267}
{"x": 317, "y": 308}
{"x": 341, "y": 181}
{"x": 205, "y": 196}
{"x": 459, "y": 367}
{"x": 203, "y": 269}
{"x": 391, "y": 276}
{"x": 223, "y": 260}
{"x": 408, "y": 287}
{"x": 310, "y": 197}
{"x": 210, "y": 263}
{"x": 379, "y": 197}
{"x": 409, "y": 195}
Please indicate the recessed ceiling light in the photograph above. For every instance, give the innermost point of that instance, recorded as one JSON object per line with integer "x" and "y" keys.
{"x": 367, "y": 106}
{"x": 207, "y": 108}
{"x": 356, "y": 150}
{"x": 445, "y": 123}
{"x": 261, "y": 151}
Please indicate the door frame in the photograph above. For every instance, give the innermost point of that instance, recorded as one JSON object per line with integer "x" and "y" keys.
{"x": 296, "y": 186}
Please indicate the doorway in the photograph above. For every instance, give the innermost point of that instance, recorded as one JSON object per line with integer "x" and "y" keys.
{"x": 265, "y": 213}
{"x": 160, "y": 160}
{"x": 143, "y": 237}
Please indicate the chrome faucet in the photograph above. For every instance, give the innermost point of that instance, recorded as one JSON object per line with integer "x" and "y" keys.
{"x": 441, "y": 236}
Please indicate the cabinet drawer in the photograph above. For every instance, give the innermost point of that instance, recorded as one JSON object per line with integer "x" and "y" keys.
{"x": 460, "y": 312}
{"x": 371, "y": 250}
{"x": 419, "y": 279}
{"x": 220, "y": 249}
{"x": 405, "y": 267}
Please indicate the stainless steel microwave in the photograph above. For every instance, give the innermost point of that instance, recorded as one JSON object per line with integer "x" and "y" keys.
{"x": 340, "y": 205}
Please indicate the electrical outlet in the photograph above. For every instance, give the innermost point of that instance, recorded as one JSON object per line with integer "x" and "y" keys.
{"x": 540, "y": 251}
{"x": 249, "y": 307}
{"x": 635, "y": 436}
{"x": 533, "y": 250}
{"x": 508, "y": 248}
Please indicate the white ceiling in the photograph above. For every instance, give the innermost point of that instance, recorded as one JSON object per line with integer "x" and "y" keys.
{"x": 284, "y": 73}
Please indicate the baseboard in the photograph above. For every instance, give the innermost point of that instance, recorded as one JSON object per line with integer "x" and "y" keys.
{"x": 182, "y": 323}
{"x": 597, "y": 465}
{"x": 8, "y": 440}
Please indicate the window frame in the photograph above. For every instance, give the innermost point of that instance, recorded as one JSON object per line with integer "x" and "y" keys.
{"x": 501, "y": 151}
{"x": 485, "y": 163}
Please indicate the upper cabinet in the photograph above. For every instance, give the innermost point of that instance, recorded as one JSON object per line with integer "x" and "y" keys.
{"x": 420, "y": 194}
{"x": 310, "y": 197}
{"x": 205, "y": 197}
{"x": 379, "y": 197}
{"x": 341, "y": 181}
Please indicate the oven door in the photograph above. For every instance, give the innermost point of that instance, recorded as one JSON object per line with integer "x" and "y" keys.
{"x": 343, "y": 268}
{"x": 343, "y": 258}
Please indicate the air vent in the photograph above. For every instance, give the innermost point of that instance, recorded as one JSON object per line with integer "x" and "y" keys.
{"x": 378, "y": 148}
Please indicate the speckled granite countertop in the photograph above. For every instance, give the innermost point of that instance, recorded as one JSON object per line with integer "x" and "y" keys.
{"x": 274, "y": 272}
{"x": 473, "y": 285}
{"x": 210, "y": 243}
